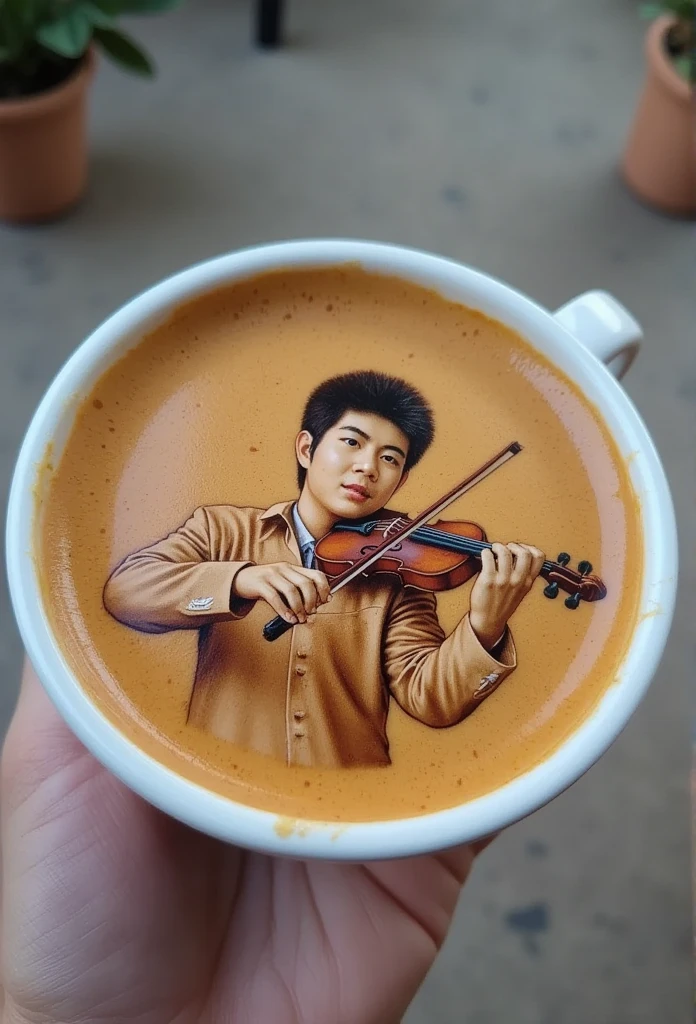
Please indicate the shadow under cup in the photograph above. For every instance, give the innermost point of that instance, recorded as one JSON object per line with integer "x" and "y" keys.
{"x": 199, "y": 409}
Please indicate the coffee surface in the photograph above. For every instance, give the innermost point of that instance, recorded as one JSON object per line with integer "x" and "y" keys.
{"x": 205, "y": 410}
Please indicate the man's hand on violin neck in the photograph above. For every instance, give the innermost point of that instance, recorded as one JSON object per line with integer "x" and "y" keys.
{"x": 507, "y": 575}
{"x": 291, "y": 590}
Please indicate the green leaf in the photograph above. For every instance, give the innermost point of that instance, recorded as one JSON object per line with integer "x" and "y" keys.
{"x": 124, "y": 51}
{"x": 22, "y": 12}
{"x": 686, "y": 67}
{"x": 96, "y": 15}
{"x": 111, "y": 8}
{"x": 17, "y": 20}
{"x": 149, "y": 6}
{"x": 684, "y": 9}
{"x": 651, "y": 11}
{"x": 68, "y": 35}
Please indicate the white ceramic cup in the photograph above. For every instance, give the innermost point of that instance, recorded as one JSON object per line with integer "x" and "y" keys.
{"x": 582, "y": 338}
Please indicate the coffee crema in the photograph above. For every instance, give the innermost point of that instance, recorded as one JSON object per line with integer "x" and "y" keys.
{"x": 204, "y": 411}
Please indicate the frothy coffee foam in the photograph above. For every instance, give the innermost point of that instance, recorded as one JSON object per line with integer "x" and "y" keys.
{"x": 205, "y": 410}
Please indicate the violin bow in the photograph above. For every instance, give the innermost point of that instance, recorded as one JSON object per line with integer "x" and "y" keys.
{"x": 277, "y": 626}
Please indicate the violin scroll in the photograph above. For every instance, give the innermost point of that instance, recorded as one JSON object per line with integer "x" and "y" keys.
{"x": 579, "y": 585}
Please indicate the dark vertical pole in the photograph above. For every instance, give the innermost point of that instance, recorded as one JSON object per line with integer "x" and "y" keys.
{"x": 269, "y": 17}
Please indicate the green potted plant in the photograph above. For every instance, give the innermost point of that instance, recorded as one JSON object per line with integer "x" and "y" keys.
{"x": 47, "y": 57}
{"x": 659, "y": 161}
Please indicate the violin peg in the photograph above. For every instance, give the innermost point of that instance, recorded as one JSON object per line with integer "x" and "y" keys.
{"x": 572, "y": 602}
{"x": 563, "y": 558}
{"x": 551, "y": 591}
{"x": 584, "y": 568}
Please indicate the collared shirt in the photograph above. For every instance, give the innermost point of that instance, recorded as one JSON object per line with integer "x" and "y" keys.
{"x": 305, "y": 540}
{"x": 318, "y": 695}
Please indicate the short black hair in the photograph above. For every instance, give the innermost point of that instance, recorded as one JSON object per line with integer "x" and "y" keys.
{"x": 368, "y": 391}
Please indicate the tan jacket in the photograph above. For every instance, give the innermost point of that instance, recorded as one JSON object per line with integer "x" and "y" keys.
{"x": 318, "y": 695}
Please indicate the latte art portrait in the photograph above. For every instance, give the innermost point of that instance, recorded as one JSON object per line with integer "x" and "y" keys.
{"x": 328, "y": 543}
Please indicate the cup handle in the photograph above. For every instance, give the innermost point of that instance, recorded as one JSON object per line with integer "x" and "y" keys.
{"x": 603, "y": 326}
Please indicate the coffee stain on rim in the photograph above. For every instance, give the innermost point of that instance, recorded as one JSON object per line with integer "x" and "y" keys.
{"x": 43, "y": 471}
{"x": 653, "y": 613}
{"x": 285, "y": 827}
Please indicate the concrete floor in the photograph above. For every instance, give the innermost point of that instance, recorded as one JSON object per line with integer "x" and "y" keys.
{"x": 488, "y": 132}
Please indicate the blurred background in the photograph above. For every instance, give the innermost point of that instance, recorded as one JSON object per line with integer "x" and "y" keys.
{"x": 491, "y": 133}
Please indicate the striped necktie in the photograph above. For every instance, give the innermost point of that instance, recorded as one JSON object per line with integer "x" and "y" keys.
{"x": 308, "y": 559}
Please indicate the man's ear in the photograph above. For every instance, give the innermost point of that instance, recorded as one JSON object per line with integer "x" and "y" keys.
{"x": 303, "y": 444}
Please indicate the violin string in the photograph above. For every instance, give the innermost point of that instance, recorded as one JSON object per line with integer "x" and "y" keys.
{"x": 467, "y": 545}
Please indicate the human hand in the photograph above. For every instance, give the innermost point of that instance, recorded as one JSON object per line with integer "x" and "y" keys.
{"x": 291, "y": 590}
{"x": 112, "y": 911}
{"x": 506, "y": 577}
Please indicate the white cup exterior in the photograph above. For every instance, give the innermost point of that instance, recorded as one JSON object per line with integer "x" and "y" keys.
{"x": 578, "y": 339}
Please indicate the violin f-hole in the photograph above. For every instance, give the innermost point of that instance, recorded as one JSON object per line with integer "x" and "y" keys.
{"x": 371, "y": 547}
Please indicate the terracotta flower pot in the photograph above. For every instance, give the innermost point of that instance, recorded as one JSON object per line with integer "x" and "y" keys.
{"x": 43, "y": 149}
{"x": 659, "y": 162}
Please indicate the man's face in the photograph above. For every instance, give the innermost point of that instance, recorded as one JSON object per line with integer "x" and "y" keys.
{"x": 357, "y": 466}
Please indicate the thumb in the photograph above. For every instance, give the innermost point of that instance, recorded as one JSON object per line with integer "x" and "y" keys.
{"x": 38, "y": 743}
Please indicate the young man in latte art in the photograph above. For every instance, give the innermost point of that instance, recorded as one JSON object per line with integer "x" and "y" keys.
{"x": 319, "y": 695}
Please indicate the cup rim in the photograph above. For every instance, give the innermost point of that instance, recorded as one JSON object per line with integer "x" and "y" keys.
{"x": 266, "y": 831}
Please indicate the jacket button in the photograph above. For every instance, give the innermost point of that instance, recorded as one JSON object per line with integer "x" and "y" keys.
{"x": 299, "y": 733}
{"x": 302, "y": 653}
{"x": 299, "y": 715}
{"x": 300, "y": 670}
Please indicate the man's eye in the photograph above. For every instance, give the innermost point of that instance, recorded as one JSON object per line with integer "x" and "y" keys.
{"x": 350, "y": 440}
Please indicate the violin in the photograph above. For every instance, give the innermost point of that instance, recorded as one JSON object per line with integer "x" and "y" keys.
{"x": 439, "y": 557}
{"x": 431, "y": 557}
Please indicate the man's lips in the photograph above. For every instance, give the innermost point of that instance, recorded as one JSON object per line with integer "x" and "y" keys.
{"x": 357, "y": 489}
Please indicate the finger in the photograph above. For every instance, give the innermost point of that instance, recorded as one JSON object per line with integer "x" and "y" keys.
{"x": 319, "y": 579}
{"x": 307, "y": 587}
{"x": 523, "y": 563}
{"x": 538, "y": 559}
{"x": 504, "y": 558}
{"x": 74, "y": 840}
{"x": 487, "y": 566}
{"x": 292, "y": 594}
{"x": 322, "y": 583}
{"x": 37, "y": 744}
{"x": 272, "y": 597}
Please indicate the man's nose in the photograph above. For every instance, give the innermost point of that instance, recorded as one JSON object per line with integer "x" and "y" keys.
{"x": 367, "y": 464}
